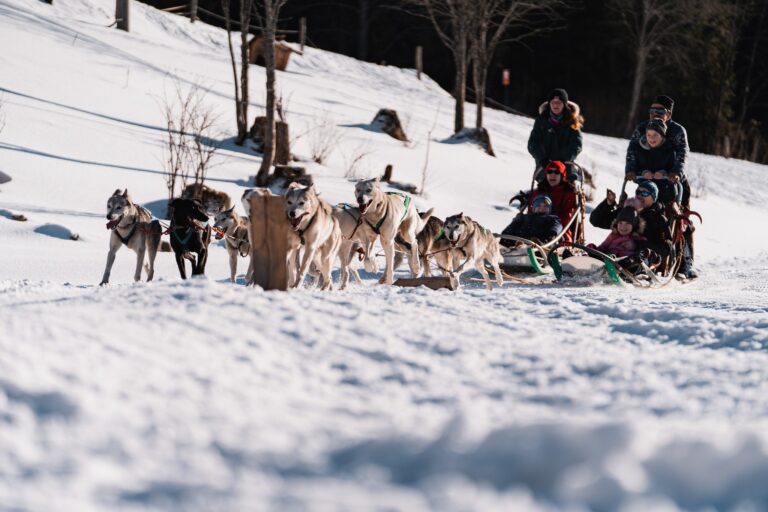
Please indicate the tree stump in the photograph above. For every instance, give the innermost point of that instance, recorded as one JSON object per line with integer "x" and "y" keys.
{"x": 481, "y": 137}
{"x": 388, "y": 121}
{"x": 282, "y": 139}
{"x": 284, "y": 175}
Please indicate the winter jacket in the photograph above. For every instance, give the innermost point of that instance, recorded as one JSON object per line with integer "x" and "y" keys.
{"x": 532, "y": 225}
{"x": 563, "y": 203}
{"x": 624, "y": 245}
{"x": 651, "y": 159}
{"x": 550, "y": 141}
{"x": 676, "y": 137}
{"x": 657, "y": 230}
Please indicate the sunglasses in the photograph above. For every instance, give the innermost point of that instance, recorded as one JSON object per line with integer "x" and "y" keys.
{"x": 657, "y": 111}
{"x": 643, "y": 193}
{"x": 553, "y": 171}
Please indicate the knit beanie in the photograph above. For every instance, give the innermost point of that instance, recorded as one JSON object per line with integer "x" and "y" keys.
{"x": 658, "y": 126}
{"x": 559, "y": 93}
{"x": 543, "y": 198}
{"x": 650, "y": 187}
{"x": 665, "y": 101}
{"x": 556, "y": 165}
{"x": 628, "y": 214}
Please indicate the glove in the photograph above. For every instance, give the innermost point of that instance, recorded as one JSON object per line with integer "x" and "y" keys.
{"x": 630, "y": 176}
{"x": 521, "y": 196}
{"x": 650, "y": 257}
{"x": 610, "y": 197}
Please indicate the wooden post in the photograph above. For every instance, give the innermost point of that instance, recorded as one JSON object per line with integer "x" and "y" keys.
{"x": 419, "y": 64}
{"x": 123, "y": 14}
{"x": 387, "y": 173}
{"x": 192, "y": 10}
{"x": 268, "y": 230}
{"x": 302, "y": 32}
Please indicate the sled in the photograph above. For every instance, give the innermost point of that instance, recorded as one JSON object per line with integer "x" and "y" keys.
{"x": 529, "y": 256}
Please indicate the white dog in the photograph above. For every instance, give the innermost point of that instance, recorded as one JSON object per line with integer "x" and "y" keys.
{"x": 234, "y": 230}
{"x": 390, "y": 214}
{"x": 315, "y": 230}
{"x": 132, "y": 226}
{"x": 474, "y": 244}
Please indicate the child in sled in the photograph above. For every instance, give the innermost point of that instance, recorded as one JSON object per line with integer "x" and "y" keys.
{"x": 626, "y": 237}
{"x": 539, "y": 226}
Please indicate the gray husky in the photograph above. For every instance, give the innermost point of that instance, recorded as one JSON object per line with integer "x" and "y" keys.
{"x": 432, "y": 244}
{"x": 132, "y": 226}
{"x": 234, "y": 230}
{"x": 473, "y": 244}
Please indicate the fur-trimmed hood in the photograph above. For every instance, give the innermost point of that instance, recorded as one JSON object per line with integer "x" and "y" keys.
{"x": 576, "y": 119}
{"x": 638, "y": 231}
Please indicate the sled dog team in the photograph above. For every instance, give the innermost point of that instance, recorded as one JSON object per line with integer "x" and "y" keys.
{"x": 320, "y": 235}
{"x": 656, "y": 158}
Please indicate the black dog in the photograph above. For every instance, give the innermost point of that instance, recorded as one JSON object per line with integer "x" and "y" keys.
{"x": 188, "y": 235}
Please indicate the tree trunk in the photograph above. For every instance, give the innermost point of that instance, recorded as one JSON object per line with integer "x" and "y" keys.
{"x": 242, "y": 118}
{"x": 637, "y": 87}
{"x": 460, "y": 87}
{"x": 123, "y": 14}
{"x": 479, "y": 80}
{"x": 268, "y": 47}
{"x": 362, "y": 34}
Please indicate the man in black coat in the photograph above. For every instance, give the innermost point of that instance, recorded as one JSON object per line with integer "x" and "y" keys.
{"x": 539, "y": 226}
{"x": 556, "y": 133}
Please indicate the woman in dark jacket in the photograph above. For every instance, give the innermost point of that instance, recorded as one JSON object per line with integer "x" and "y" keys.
{"x": 556, "y": 133}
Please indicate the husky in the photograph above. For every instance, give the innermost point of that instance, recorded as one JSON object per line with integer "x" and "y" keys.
{"x": 357, "y": 238}
{"x": 475, "y": 244}
{"x": 390, "y": 214}
{"x": 132, "y": 226}
{"x": 432, "y": 243}
{"x": 234, "y": 230}
{"x": 316, "y": 230}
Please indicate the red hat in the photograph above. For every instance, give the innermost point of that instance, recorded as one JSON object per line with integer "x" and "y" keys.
{"x": 556, "y": 165}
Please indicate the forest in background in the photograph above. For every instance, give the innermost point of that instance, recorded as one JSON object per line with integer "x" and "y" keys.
{"x": 709, "y": 55}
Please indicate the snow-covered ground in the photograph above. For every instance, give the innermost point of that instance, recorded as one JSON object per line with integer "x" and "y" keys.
{"x": 203, "y": 395}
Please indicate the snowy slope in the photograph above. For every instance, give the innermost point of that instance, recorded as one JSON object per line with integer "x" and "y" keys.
{"x": 202, "y": 395}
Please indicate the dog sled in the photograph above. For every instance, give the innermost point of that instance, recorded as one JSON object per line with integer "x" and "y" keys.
{"x": 532, "y": 256}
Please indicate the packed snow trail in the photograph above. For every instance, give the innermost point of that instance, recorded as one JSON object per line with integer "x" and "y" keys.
{"x": 203, "y": 395}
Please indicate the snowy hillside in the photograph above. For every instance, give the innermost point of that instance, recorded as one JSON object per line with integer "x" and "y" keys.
{"x": 203, "y": 395}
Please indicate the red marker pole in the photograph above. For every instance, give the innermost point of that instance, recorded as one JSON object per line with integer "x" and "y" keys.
{"x": 505, "y": 83}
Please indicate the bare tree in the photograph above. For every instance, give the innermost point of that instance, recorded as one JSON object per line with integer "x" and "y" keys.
{"x": 324, "y": 137}
{"x": 658, "y": 32}
{"x": 241, "y": 82}
{"x": 269, "y": 17}
{"x": 191, "y": 140}
{"x": 493, "y": 22}
{"x": 453, "y": 20}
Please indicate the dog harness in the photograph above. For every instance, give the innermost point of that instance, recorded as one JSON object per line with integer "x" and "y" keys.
{"x": 183, "y": 241}
{"x": 309, "y": 224}
{"x": 127, "y": 238}
{"x": 406, "y": 202}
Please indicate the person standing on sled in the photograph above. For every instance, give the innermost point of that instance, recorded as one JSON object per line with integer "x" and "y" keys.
{"x": 650, "y": 211}
{"x": 654, "y": 161}
{"x": 661, "y": 108}
{"x": 562, "y": 193}
{"x": 556, "y": 133}
{"x": 539, "y": 226}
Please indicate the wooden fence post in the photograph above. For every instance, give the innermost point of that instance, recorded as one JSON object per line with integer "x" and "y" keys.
{"x": 419, "y": 64}
{"x": 302, "y": 32}
{"x": 192, "y": 10}
{"x": 123, "y": 14}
